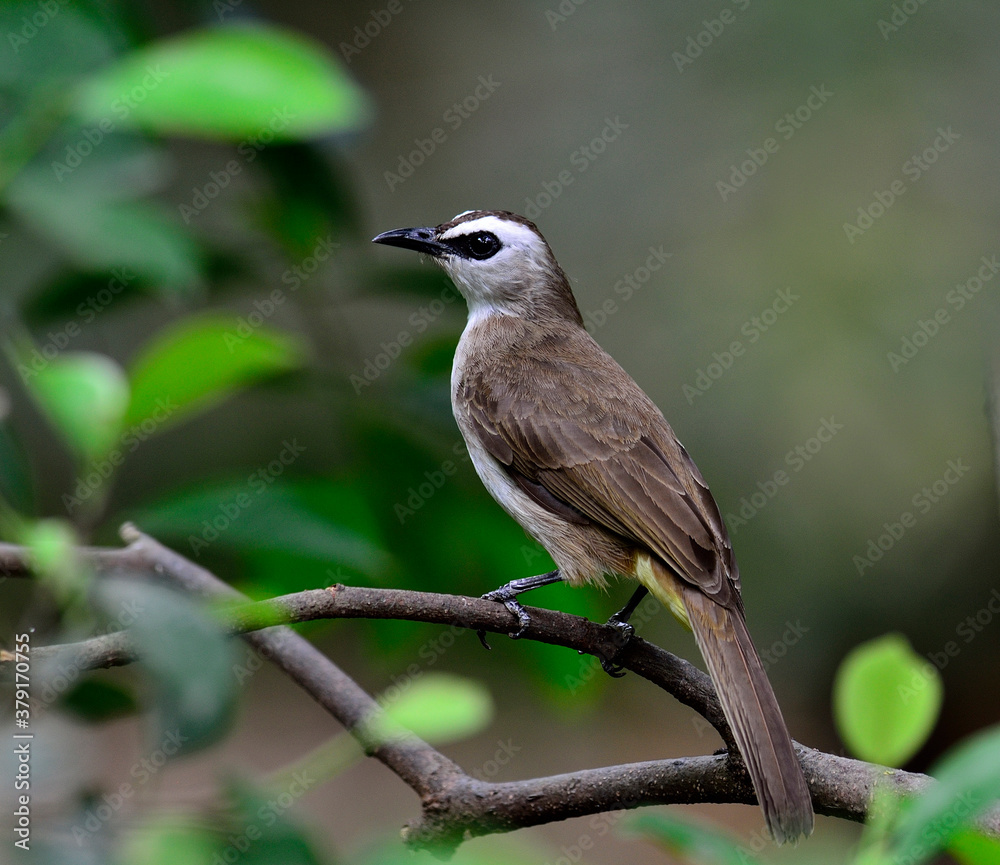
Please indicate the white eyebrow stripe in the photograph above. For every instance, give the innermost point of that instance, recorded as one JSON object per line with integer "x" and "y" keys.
{"x": 510, "y": 233}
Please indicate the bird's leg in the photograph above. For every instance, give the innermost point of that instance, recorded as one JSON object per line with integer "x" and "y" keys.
{"x": 507, "y": 595}
{"x": 619, "y": 621}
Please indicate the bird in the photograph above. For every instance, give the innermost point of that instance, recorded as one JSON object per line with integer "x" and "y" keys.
{"x": 575, "y": 451}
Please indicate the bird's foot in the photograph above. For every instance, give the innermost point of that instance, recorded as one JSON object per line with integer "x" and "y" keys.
{"x": 507, "y": 595}
{"x": 622, "y": 639}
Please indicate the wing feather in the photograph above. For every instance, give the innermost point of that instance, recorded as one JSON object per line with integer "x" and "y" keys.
{"x": 579, "y": 433}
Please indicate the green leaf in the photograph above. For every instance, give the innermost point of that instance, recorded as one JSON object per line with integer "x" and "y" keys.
{"x": 689, "y": 841}
{"x": 968, "y": 781}
{"x": 101, "y": 233}
{"x": 16, "y": 481}
{"x": 95, "y": 701}
{"x": 170, "y": 840}
{"x": 245, "y": 81}
{"x": 189, "y": 659}
{"x": 53, "y": 544}
{"x": 886, "y": 700}
{"x": 489, "y": 850}
{"x": 260, "y": 514}
{"x": 262, "y": 830}
{"x": 972, "y": 848}
{"x": 883, "y": 813}
{"x": 199, "y": 362}
{"x": 437, "y": 707}
{"x": 85, "y": 395}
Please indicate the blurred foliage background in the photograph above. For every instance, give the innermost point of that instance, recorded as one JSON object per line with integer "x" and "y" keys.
{"x": 779, "y": 217}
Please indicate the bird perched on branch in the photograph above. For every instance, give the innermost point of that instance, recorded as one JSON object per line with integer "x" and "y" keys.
{"x": 574, "y": 450}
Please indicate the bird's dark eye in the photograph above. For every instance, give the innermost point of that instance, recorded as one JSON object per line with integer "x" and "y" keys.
{"x": 481, "y": 245}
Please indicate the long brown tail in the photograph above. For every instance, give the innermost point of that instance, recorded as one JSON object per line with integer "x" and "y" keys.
{"x": 752, "y": 711}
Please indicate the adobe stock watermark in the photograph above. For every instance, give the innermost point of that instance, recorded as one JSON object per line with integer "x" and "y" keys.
{"x": 370, "y": 29}
{"x": 901, "y": 14}
{"x": 91, "y": 137}
{"x": 390, "y": 351}
{"x": 964, "y": 805}
{"x": 580, "y": 159}
{"x": 769, "y": 656}
{"x": 453, "y": 118}
{"x": 923, "y": 500}
{"x": 786, "y": 127}
{"x": 955, "y": 301}
{"x": 625, "y": 288}
{"x": 912, "y": 169}
{"x": 87, "y": 310}
{"x": 141, "y": 772}
{"x": 557, "y": 16}
{"x": 32, "y": 25}
{"x": 295, "y": 277}
{"x": 695, "y": 45}
{"x": 246, "y": 151}
{"x": 796, "y": 460}
{"x": 257, "y": 483}
{"x": 224, "y": 8}
{"x": 266, "y": 816}
{"x": 753, "y": 329}
{"x": 967, "y": 630}
{"x": 424, "y": 491}
{"x": 598, "y": 826}
{"x": 100, "y": 470}
{"x": 501, "y": 757}
{"x": 58, "y": 678}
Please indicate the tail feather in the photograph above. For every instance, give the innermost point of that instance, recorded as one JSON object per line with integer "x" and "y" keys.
{"x": 752, "y": 711}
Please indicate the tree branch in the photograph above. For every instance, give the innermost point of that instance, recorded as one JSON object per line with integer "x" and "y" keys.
{"x": 456, "y": 806}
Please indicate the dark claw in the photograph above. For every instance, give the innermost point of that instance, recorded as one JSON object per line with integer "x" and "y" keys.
{"x": 624, "y": 629}
{"x": 482, "y": 639}
{"x": 509, "y": 599}
{"x": 622, "y": 638}
{"x": 616, "y": 671}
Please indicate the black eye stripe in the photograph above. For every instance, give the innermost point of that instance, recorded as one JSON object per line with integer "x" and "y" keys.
{"x": 478, "y": 246}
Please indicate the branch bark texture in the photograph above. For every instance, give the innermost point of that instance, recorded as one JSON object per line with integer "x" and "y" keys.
{"x": 456, "y": 806}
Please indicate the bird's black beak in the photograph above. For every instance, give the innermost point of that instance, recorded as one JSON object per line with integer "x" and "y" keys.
{"x": 419, "y": 239}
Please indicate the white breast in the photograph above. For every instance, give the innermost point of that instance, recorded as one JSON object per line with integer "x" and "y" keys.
{"x": 559, "y": 538}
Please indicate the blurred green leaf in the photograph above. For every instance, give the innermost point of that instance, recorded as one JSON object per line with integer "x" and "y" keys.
{"x": 95, "y": 700}
{"x": 74, "y": 41}
{"x": 189, "y": 659}
{"x": 490, "y": 850}
{"x": 53, "y": 545}
{"x": 886, "y": 700}
{"x": 437, "y": 707}
{"x": 968, "y": 781}
{"x": 16, "y": 482}
{"x": 170, "y": 840}
{"x": 239, "y": 81}
{"x": 85, "y": 395}
{"x": 75, "y": 298}
{"x": 689, "y": 841}
{"x": 883, "y": 812}
{"x": 973, "y": 848}
{"x": 311, "y": 195}
{"x": 200, "y": 361}
{"x": 101, "y": 233}
{"x": 263, "y": 515}
{"x": 262, "y": 828}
